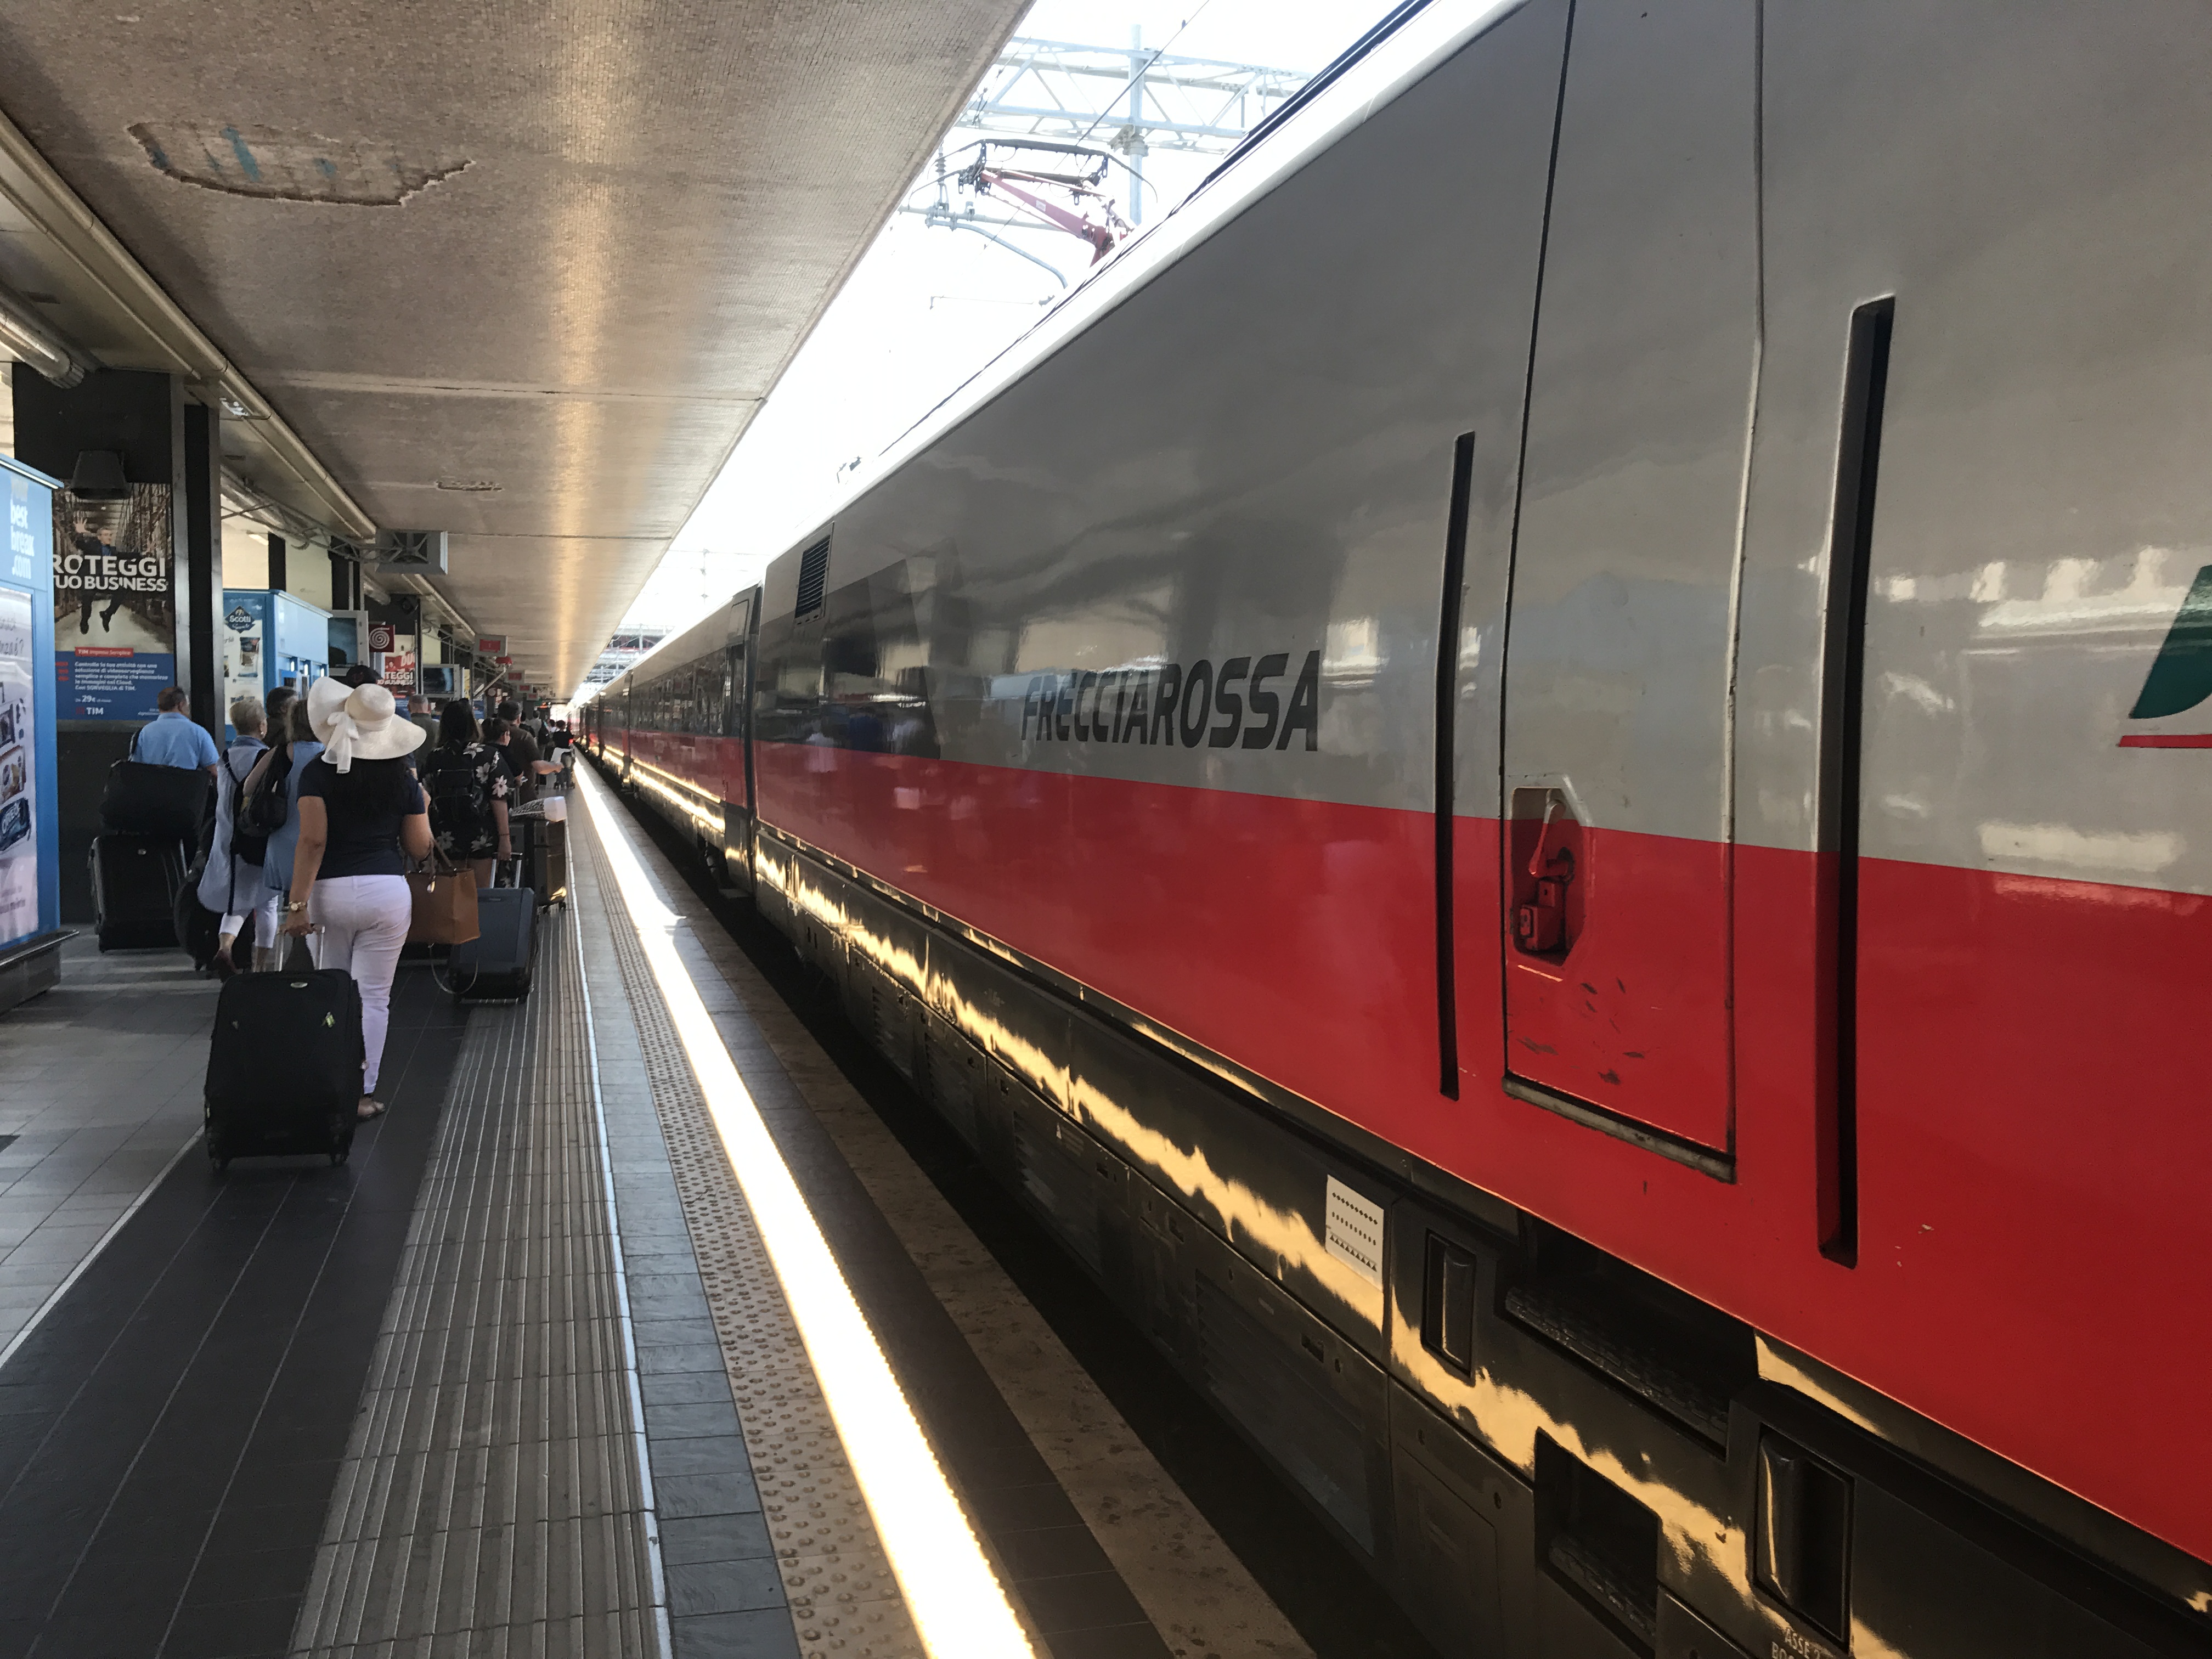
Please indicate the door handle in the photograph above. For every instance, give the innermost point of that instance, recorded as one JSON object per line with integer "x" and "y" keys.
{"x": 1543, "y": 922}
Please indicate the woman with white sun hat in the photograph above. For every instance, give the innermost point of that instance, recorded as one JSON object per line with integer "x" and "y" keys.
{"x": 361, "y": 816}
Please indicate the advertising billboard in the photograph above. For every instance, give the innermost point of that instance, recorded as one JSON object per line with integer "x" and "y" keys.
{"x": 115, "y": 614}
{"x": 30, "y": 859}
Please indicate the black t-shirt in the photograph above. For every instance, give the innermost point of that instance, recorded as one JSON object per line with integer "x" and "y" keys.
{"x": 360, "y": 844}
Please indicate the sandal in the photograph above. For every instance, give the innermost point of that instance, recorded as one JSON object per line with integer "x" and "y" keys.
{"x": 370, "y": 1107}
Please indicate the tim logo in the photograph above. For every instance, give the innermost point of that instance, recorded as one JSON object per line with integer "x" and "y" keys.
{"x": 2182, "y": 677}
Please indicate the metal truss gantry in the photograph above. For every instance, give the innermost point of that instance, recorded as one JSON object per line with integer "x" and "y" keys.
{"x": 1134, "y": 100}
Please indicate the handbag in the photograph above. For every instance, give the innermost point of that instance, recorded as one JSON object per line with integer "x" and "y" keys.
{"x": 444, "y": 905}
{"x": 144, "y": 800}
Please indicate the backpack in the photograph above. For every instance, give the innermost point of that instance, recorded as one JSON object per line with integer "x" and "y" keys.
{"x": 264, "y": 811}
{"x": 248, "y": 844}
{"x": 457, "y": 810}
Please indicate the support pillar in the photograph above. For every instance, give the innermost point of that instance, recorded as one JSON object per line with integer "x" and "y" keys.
{"x": 145, "y": 420}
{"x": 199, "y": 566}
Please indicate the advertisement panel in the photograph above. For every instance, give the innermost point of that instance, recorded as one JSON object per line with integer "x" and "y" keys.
{"x": 395, "y": 667}
{"x": 30, "y": 851}
{"x": 245, "y": 642}
{"x": 19, "y": 771}
{"x": 115, "y": 617}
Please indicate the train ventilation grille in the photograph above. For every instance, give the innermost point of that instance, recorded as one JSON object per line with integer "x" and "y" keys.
{"x": 813, "y": 579}
{"x": 1352, "y": 1230}
{"x": 1697, "y": 1406}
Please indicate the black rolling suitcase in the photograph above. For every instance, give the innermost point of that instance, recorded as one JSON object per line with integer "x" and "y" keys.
{"x": 495, "y": 965}
{"x": 284, "y": 1071}
{"x": 542, "y": 853}
{"x": 135, "y": 882}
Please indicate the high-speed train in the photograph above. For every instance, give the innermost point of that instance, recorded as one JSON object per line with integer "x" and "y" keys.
{"x": 1542, "y": 774}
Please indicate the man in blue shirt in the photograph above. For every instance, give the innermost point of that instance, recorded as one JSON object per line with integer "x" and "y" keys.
{"x": 172, "y": 739}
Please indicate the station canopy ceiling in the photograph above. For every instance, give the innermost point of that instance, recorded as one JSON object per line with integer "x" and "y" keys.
{"x": 520, "y": 272}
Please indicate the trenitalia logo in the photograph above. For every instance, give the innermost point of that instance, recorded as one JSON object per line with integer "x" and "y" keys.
{"x": 1167, "y": 702}
{"x": 2182, "y": 677}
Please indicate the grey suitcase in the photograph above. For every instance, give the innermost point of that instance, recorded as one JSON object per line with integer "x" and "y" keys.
{"x": 495, "y": 965}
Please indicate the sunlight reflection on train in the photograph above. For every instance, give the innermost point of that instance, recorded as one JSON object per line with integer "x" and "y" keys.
{"x": 679, "y": 795}
{"x": 959, "y": 1608}
{"x": 1508, "y": 1419}
{"x": 1289, "y": 1235}
{"x": 1274, "y": 1237}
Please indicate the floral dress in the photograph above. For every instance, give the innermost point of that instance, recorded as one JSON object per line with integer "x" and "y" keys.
{"x": 463, "y": 780}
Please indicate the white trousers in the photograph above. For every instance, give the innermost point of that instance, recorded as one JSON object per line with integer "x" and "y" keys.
{"x": 264, "y": 920}
{"x": 364, "y": 922}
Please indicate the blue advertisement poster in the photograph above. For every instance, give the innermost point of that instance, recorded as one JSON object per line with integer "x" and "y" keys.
{"x": 19, "y": 771}
{"x": 30, "y": 861}
{"x": 115, "y": 616}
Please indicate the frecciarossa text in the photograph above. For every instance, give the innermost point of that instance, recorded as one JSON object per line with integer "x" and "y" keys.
{"x": 1202, "y": 704}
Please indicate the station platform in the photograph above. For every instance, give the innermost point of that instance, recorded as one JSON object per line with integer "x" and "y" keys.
{"x": 630, "y": 1329}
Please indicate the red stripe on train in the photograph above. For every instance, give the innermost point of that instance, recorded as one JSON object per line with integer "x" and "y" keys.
{"x": 2032, "y": 1135}
{"x": 2167, "y": 740}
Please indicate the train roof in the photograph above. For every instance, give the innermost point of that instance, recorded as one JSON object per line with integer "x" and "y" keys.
{"x": 677, "y": 647}
{"x": 1400, "y": 51}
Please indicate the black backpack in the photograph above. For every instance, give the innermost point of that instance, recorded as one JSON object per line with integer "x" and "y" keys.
{"x": 456, "y": 811}
{"x": 248, "y": 841}
{"x": 265, "y": 807}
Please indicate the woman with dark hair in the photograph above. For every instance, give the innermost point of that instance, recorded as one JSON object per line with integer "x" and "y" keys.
{"x": 293, "y": 744}
{"x": 361, "y": 817}
{"x": 468, "y": 789}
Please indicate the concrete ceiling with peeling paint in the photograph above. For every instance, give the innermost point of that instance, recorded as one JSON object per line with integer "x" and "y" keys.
{"x": 561, "y": 249}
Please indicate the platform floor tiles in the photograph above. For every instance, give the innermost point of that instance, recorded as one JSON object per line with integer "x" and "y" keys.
{"x": 171, "y": 1430}
{"x": 99, "y": 1089}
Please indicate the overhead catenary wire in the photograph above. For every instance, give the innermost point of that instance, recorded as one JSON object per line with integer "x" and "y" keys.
{"x": 1159, "y": 53}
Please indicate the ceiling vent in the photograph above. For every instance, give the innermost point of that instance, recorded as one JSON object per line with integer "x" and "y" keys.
{"x": 411, "y": 552}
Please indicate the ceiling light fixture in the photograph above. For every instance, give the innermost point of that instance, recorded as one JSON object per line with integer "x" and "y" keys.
{"x": 470, "y": 486}
{"x": 30, "y": 339}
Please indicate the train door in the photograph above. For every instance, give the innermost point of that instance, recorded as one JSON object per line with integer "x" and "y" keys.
{"x": 1619, "y": 640}
{"x": 737, "y": 705}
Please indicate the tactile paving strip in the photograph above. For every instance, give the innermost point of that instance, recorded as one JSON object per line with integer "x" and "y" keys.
{"x": 845, "y": 1602}
{"x": 490, "y": 1503}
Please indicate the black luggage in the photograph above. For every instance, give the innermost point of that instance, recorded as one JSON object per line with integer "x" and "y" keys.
{"x": 144, "y": 800}
{"x": 284, "y": 1071}
{"x": 135, "y": 882}
{"x": 199, "y": 929}
{"x": 542, "y": 847}
{"x": 495, "y": 965}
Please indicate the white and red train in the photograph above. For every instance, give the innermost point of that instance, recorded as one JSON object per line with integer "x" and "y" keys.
{"x": 1677, "y": 1116}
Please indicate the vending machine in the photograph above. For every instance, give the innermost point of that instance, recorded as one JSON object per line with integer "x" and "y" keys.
{"x": 30, "y": 819}
{"x": 270, "y": 638}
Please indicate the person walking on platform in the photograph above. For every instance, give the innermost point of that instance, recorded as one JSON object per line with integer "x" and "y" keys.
{"x": 361, "y": 816}
{"x": 292, "y": 746}
{"x": 170, "y": 738}
{"x": 468, "y": 785}
{"x": 230, "y": 882}
{"x": 520, "y": 751}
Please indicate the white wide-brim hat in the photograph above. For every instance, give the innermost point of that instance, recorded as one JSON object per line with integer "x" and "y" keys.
{"x": 359, "y": 722}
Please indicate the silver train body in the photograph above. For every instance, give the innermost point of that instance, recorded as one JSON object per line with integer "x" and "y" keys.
{"x": 1634, "y": 1035}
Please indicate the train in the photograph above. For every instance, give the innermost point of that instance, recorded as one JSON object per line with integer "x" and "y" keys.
{"x": 1537, "y": 773}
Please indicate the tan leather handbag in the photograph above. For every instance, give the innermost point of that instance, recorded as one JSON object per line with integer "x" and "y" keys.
{"x": 445, "y": 901}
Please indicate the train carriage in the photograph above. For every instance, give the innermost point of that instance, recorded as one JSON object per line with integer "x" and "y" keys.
{"x": 1535, "y": 773}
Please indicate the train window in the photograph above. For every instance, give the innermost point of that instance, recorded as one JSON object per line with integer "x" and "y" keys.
{"x": 1448, "y": 1304}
